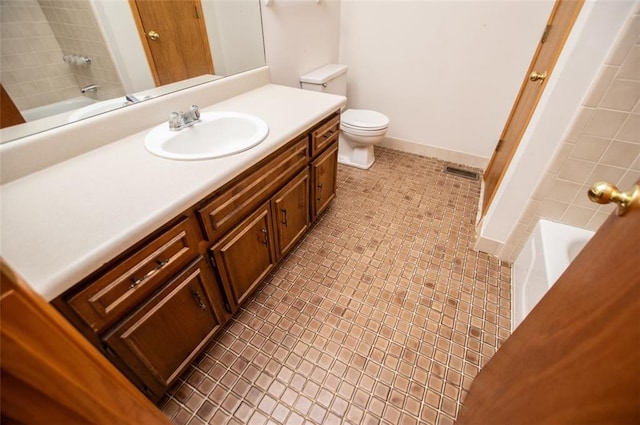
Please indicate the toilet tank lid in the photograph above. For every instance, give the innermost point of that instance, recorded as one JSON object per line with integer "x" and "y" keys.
{"x": 323, "y": 75}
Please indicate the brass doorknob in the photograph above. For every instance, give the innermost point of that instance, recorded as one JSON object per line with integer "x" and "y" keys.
{"x": 534, "y": 76}
{"x": 605, "y": 192}
{"x": 153, "y": 35}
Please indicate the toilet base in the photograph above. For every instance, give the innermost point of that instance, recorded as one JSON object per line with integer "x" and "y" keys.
{"x": 355, "y": 156}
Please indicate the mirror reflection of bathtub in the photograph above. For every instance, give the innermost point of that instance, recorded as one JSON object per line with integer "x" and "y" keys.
{"x": 105, "y": 32}
{"x": 55, "y": 114}
{"x": 546, "y": 255}
{"x": 56, "y": 108}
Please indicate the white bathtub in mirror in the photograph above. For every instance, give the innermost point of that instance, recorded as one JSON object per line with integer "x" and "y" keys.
{"x": 53, "y": 115}
{"x": 56, "y": 108}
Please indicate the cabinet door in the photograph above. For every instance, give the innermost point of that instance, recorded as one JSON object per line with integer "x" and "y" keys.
{"x": 290, "y": 209}
{"x": 323, "y": 175}
{"x": 161, "y": 339}
{"x": 246, "y": 255}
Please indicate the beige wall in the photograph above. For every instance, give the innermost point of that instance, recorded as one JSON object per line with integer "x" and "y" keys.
{"x": 446, "y": 73}
{"x": 602, "y": 144}
{"x": 299, "y": 36}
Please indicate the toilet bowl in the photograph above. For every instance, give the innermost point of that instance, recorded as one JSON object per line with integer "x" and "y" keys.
{"x": 360, "y": 131}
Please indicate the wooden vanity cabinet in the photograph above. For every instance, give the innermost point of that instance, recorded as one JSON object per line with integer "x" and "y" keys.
{"x": 163, "y": 337}
{"x": 152, "y": 309}
{"x": 244, "y": 194}
{"x": 247, "y": 253}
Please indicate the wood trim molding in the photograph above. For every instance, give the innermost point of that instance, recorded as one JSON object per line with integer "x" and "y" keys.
{"x": 10, "y": 113}
{"x": 205, "y": 36}
{"x": 577, "y": 7}
{"x": 145, "y": 42}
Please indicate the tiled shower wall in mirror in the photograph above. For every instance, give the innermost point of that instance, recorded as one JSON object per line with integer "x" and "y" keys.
{"x": 35, "y": 36}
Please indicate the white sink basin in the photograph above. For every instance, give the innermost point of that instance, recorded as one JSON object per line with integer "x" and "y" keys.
{"x": 217, "y": 134}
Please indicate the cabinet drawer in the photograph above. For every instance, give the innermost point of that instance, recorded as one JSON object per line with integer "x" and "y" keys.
{"x": 110, "y": 297}
{"x": 245, "y": 195}
{"x": 326, "y": 134}
{"x": 160, "y": 340}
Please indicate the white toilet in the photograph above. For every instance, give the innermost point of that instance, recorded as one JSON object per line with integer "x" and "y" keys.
{"x": 361, "y": 129}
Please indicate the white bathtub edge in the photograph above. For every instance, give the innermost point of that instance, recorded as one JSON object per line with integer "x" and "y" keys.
{"x": 544, "y": 257}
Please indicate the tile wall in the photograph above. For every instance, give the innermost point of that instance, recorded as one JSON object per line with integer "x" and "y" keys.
{"x": 602, "y": 144}
{"x": 31, "y": 66}
{"x": 35, "y": 35}
{"x": 78, "y": 32}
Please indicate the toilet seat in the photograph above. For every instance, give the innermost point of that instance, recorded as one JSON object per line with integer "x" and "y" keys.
{"x": 363, "y": 132}
{"x": 363, "y": 120}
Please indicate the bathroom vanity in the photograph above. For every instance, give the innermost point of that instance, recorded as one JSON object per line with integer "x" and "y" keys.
{"x": 150, "y": 257}
{"x": 152, "y": 309}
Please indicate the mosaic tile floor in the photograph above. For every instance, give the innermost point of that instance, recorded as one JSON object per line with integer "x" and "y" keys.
{"x": 383, "y": 314}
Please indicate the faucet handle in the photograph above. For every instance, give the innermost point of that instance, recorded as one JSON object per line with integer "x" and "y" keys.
{"x": 196, "y": 112}
{"x": 175, "y": 120}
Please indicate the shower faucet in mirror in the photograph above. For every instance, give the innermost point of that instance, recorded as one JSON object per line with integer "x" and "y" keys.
{"x": 91, "y": 88}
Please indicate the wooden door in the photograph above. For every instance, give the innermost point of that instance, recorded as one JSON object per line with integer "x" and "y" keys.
{"x": 291, "y": 212}
{"x": 174, "y": 37}
{"x": 9, "y": 112}
{"x": 246, "y": 255}
{"x": 324, "y": 176}
{"x": 161, "y": 339}
{"x": 558, "y": 27}
{"x": 51, "y": 374}
{"x": 576, "y": 357}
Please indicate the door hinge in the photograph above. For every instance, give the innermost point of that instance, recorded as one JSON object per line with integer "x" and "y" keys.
{"x": 545, "y": 33}
{"x": 499, "y": 145}
{"x": 197, "y": 12}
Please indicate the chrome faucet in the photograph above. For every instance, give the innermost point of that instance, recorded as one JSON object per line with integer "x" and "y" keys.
{"x": 180, "y": 120}
{"x": 90, "y": 88}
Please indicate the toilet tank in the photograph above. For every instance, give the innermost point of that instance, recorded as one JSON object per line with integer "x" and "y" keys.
{"x": 328, "y": 79}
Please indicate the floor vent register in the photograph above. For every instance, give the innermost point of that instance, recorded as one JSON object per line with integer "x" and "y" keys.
{"x": 472, "y": 175}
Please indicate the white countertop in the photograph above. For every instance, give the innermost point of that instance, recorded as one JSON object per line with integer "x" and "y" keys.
{"x": 61, "y": 223}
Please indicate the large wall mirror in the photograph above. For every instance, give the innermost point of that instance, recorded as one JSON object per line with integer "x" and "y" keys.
{"x": 65, "y": 60}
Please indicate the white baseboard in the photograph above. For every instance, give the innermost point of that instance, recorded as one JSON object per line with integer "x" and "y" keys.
{"x": 455, "y": 157}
